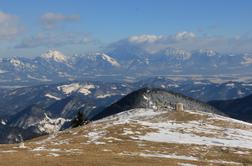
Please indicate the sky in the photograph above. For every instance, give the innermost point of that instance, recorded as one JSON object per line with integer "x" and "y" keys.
{"x": 30, "y": 27}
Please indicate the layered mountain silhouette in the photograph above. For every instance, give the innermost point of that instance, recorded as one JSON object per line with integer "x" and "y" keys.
{"x": 238, "y": 108}
{"x": 153, "y": 98}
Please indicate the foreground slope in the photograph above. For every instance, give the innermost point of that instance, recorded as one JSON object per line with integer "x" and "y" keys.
{"x": 141, "y": 136}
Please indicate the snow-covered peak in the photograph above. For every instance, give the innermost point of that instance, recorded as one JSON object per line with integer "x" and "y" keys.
{"x": 180, "y": 53}
{"x": 16, "y": 62}
{"x": 55, "y": 55}
{"x": 19, "y": 63}
{"x": 109, "y": 59}
{"x": 208, "y": 52}
{"x": 247, "y": 59}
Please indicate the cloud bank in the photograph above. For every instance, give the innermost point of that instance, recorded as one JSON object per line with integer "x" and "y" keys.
{"x": 49, "y": 39}
{"x": 9, "y": 26}
{"x": 51, "y": 20}
{"x": 189, "y": 41}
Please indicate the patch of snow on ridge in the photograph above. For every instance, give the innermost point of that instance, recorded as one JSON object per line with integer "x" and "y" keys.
{"x": 247, "y": 61}
{"x": 85, "y": 89}
{"x": 131, "y": 115}
{"x": 15, "y": 62}
{"x": 49, "y": 125}
{"x": 231, "y": 85}
{"x": 52, "y": 97}
{"x": 67, "y": 89}
{"x": 19, "y": 64}
{"x": 169, "y": 156}
{"x": 170, "y": 132}
{"x": 186, "y": 164}
{"x": 94, "y": 137}
{"x": 3, "y": 122}
{"x": 76, "y": 87}
{"x": 109, "y": 59}
{"x": 103, "y": 96}
{"x": 185, "y": 132}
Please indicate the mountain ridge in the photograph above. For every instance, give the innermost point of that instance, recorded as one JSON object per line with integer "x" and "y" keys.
{"x": 54, "y": 66}
{"x": 240, "y": 108}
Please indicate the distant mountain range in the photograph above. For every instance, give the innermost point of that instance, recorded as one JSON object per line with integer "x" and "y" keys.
{"x": 119, "y": 62}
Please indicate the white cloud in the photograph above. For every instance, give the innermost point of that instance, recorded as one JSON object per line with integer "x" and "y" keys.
{"x": 145, "y": 38}
{"x": 190, "y": 41}
{"x": 55, "y": 39}
{"x": 184, "y": 35}
{"x": 51, "y": 20}
{"x": 9, "y": 26}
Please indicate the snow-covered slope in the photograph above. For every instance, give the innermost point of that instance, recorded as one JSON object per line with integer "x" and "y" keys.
{"x": 147, "y": 136}
{"x": 49, "y": 126}
{"x": 54, "y": 55}
{"x": 109, "y": 59}
{"x": 76, "y": 87}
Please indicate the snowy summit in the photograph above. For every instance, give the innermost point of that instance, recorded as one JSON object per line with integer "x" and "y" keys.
{"x": 55, "y": 55}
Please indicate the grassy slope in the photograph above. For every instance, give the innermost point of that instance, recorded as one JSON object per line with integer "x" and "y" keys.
{"x": 104, "y": 144}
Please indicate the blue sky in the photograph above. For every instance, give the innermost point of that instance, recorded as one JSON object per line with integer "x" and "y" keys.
{"x": 91, "y": 24}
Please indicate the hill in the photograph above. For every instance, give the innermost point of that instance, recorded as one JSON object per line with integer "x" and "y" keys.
{"x": 142, "y": 136}
{"x": 153, "y": 98}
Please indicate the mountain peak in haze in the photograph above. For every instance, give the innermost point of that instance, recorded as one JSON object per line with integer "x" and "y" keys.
{"x": 109, "y": 59}
{"x": 179, "y": 53}
{"x": 55, "y": 55}
{"x": 208, "y": 52}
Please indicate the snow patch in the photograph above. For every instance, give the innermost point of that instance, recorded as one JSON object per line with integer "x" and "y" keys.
{"x": 8, "y": 151}
{"x": 170, "y": 132}
{"x": 231, "y": 85}
{"x": 247, "y": 61}
{"x": 49, "y": 125}
{"x": 103, "y": 96}
{"x": 76, "y": 87}
{"x": 173, "y": 156}
{"x": 52, "y": 97}
{"x": 3, "y": 122}
{"x": 109, "y": 59}
{"x": 53, "y": 154}
{"x": 186, "y": 164}
{"x": 95, "y": 136}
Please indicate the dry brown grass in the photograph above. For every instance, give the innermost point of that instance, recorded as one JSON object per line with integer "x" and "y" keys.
{"x": 120, "y": 149}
